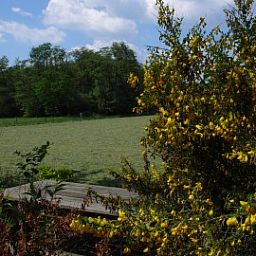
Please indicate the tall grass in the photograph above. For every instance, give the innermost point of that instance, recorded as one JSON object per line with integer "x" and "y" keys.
{"x": 4, "y": 122}
{"x": 92, "y": 146}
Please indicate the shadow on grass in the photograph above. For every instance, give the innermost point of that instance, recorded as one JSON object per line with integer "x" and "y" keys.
{"x": 109, "y": 182}
{"x": 83, "y": 176}
{"x": 7, "y": 181}
{"x": 95, "y": 177}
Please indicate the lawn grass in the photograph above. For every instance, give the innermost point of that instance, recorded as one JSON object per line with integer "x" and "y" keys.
{"x": 92, "y": 146}
{"x": 17, "y": 121}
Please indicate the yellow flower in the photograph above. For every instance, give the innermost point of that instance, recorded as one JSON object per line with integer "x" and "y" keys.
{"x": 111, "y": 234}
{"x": 164, "y": 224}
{"x": 127, "y": 250}
{"x": 212, "y": 252}
{"x": 243, "y": 203}
{"x": 243, "y": 227}
{"x": 250, "y": 220}
{"x": 173, "y": 213}
{"x": 169, "y": 121}
{"x": 199, "y": 186}
{"x": 209, "y": 201}
{"x": 174, "y": 231}
{"x": 158, "y": 250}
{"x": 232, "y": 221}
{"x": 253, "y": 219}
{"x": 194, "y": 240}
{"x": 247, "y": 207}
{"x": 191, "y": 197}
{"x": 121, "y": 215}
{"x": 210, "y": 213}
{"x": 146, "y": 250}
{"x": 198, "y": 126}
{"x": 91, "y": 220}
{"x": 103, "y": 222}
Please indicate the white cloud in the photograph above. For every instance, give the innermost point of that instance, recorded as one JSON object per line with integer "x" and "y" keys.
{"x": 98, "y": 44}
{"x": 88, "y": 16}
{"x": 21, "y": 12}
{"x": 191, "y": 9}
{"x": 2, "y": 39}
{"x": 129, "y": 9}
{"x": 23, "y": 33}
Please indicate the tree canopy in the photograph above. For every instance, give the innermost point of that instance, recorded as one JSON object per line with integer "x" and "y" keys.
{"x": 56, "y": 82}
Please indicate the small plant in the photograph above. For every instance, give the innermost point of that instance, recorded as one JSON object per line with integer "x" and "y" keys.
{"x": 58, "y": 174}
{"x": 27, "y": 230}
{"x": 34, "y": 225}
{"x": 29, "y": 167}
{"x": 31, "y": 161}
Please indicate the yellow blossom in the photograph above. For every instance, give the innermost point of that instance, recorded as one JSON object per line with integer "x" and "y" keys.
{"x": 210, "y": 213}
{"x": 164, "y": 224}
{"x": 191, "y": 197}
{"x": 146, "y": 250}
{"x": 127, "y": 250}
{"x": 232, "y": 221}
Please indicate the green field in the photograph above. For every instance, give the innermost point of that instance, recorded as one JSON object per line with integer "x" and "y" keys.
{"x": 18, "y": 121}
{"x": 92, "y": 146}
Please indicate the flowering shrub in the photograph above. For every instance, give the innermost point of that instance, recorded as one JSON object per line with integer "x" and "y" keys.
{"x": 201, "y": 201}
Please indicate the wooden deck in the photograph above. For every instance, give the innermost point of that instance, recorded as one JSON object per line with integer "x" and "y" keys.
{"x": 73, "y": 195}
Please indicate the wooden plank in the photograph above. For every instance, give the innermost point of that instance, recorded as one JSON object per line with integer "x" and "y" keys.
{"x": 69, "y": 254}
{"x": 73, "y": 195}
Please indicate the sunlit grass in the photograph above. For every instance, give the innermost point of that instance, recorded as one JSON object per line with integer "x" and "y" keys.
{"x": 17, "y": 121}
{"x": 93, "y": 146}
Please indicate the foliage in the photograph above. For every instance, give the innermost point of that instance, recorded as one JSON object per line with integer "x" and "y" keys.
{"x": 59, "y": 174}
{"x": 33, "y": 225}
{"x": 37, "y": 226}
{"x": 53, "y": 82}
{"x": 29, "y": 229}
{"x": 30, "y": 169}
{"x": 102, "y": 78}
{"x": 203, "y": 87}
{"x": 7, "y": 91}
{"x": 202, "y": 200}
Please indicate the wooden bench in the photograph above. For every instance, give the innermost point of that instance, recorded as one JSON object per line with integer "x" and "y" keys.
{"x": 72, "y": 195}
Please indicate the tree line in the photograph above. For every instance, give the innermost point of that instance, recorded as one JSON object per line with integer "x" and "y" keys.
{"x": 54, "y": 82}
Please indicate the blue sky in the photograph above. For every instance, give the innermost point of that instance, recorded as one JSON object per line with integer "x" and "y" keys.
{"x": 92, "y": 23}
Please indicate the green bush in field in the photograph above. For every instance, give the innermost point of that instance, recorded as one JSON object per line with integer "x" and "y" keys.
{"x": 58, "y": 174}
{"x": 202, "y": 201}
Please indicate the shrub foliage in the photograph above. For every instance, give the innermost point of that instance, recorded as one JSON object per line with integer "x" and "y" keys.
{"x": 202, "y": 200}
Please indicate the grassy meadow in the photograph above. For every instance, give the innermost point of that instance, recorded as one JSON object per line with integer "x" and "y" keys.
{"x": 92, "y": 146}
{"x": 18, "y": 121}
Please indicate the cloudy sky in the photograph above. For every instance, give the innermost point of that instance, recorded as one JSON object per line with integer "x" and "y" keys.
{"x": 92, "y": 23}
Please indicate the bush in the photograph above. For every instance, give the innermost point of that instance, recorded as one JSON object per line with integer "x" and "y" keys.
{"x": 33, "y": 228}
{"x": 34, "y": 225}
{"x": 58, "y": 174}
{"x": 203, "y": 88}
